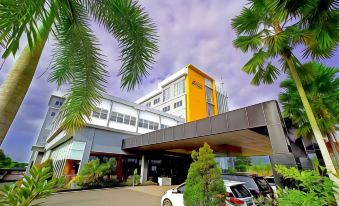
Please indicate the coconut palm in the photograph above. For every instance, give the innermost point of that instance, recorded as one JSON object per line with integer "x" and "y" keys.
{"x": 271, "y": 31}
{"x": 77, "y": 60}
{"x": 323, "y": 93}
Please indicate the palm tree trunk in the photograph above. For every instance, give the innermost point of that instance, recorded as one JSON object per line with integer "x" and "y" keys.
{"x": 316, "y": 131}
{"x": 15, "y": 86}
{"x": 331, "y": 138}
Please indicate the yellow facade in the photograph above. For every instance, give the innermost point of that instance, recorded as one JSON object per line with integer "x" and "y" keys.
{"x": 196, "y": 105}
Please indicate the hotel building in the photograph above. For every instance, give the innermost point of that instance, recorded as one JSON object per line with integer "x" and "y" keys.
{"x": 157, "y": 133}
{"x": 189, "y": 93}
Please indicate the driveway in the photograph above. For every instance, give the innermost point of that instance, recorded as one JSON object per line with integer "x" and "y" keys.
{"x": 123, "y": 196}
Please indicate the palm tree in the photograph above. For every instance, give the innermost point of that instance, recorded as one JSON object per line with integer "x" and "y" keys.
{"x": 271, "y": 31}
{"x": 77, "y": 60}
{"x": 322, "y": 90}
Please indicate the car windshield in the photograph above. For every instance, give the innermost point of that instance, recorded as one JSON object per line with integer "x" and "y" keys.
{"x": 248, "y": 181}
{"x": 262, "y": 183}
{"x": 240, "y": 191}
{"x": 181, "y": 189}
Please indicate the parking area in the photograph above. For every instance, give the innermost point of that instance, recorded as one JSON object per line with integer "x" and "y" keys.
{"x": 124, "y": 196}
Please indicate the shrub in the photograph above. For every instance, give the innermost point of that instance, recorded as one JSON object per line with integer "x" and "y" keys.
{"x": 39, "y": 184}
{"x": 204, "y": 181}
{"x": 310, "y": 189}
{"x": 93, "y": 173}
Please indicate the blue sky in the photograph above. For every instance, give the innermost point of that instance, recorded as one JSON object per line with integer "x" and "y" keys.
{"x": 194, "y": 32}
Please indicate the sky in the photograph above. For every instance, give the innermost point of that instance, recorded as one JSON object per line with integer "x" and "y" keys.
{"x": 196, "y": 32}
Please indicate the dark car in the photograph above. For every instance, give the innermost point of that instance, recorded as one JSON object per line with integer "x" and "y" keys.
{"x": 255, "y": 184}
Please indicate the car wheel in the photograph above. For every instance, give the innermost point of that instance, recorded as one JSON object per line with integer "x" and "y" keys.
{"x": 167, "y": 202}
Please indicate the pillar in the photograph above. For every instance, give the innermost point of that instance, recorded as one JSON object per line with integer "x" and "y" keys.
{"x": 144, "y": 169}
{"x": 119, "y": 168}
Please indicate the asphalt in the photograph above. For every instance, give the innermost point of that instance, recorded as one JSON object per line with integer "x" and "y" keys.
{"x": 123, "y": 196}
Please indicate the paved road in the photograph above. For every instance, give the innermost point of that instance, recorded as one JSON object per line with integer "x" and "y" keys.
{"x": 126, "y": 196}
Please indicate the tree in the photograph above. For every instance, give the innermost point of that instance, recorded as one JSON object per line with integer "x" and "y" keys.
{"x": 322, "y": 90}
{"x": 39, "y": 184}
{"x": 92, "y": 174}
{"x": 241, "y": 164}
{"x": 77, "y": 61}
{"x": 272, "y": 30}
{"x": 204, "y": 181}
{"x": 7, "y": 162}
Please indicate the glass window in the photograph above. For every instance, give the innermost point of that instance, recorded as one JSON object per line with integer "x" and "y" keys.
{"x": 114, "y": 116}
{"x": 210, "y": 109}
{"x": 179, "y": 88}
{"x": 56, "y": 102}
{"x": 53, "y": 114}
{"x": 120, "y": 118}
{"x": 96, "y": 112}
{"x": 127, "y": 118}
{"x": 145, "y": 124}
{"x": 166, "y": 94}
{"x": 156, "y": 101}
{"x": 151, "y": 125}
{"x": 133, "y": 120}
{"x": 208, "y": 95}
{"x": 148, "y": 104}
{"x": 181, "y": 189}
{"x": 240, "y": 191}
{"x": 156, "y": 126}
{"x": 178, "y": 104}
{"x": 166, "y": 109}
{"x": 140, "y": 122}
{"x": 103, "y": 114}
{"x": 163, "y": 126}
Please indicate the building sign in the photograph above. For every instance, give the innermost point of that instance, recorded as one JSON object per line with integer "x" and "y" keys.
{"x": 196, "y": 84}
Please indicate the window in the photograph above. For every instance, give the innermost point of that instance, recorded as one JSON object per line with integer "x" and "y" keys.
{"x": 53, "y": 114}
{"x": 114, "y": 116}
{"x": 166, "y": 94}
{"x": 148, "y": 104}
{"x": 145, "y": 124}
{"x": 133, "y": 121}
{"x": 210, "y": 110}
{"x": 151, "y": 125}
{"x": 140, "y": 122}
{"x": 208, "y": 94}
{"x": 178, "y": 104}
{"x": 100, "y": 113}
{"x": 166, "y": 109}
{"x": 156, "y": 101}
{"x": 56, "y": 102}
{"x": 156, "y": 126}
{"x": 120, "y": 118}
{"x": 127, "y": 119}
{"x": 163, "y": 126}
{"x": 179, "y": 88}
{"x": 103, "y": 114}
{"x": 96, "y": 112}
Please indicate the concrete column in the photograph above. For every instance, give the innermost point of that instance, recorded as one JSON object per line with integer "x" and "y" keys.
{"x": 144, "y": 169}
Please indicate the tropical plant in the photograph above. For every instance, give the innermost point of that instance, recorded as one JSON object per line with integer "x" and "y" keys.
{"x": 92, "y": 174}
{"x": 310, "y": 188}
{"x": 204, "y": 181}
{"x": 271, "y": 31}
{"x": 39, "y": 184}
{"x": 242, "y": 164}
{"x": 7, "y": 162}
{"x": 322, "y": 90}
{"x": 260, "y": 168}
{"x": 77, "y": 60}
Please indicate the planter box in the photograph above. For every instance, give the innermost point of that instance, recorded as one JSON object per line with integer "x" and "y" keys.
{"x": 164, "y": 181}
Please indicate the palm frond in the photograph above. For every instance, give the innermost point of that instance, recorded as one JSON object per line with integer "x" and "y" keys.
{"x": 247, "y": 22}
{"x": 19, "y": 17}
{"x": 258, "y": 59}
{"x": 78, "y": 62}
{"x": 134, "y": 30}
{"x": 246, "y": 43}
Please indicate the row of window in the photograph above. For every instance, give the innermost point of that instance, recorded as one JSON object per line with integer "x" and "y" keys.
{"x": 176, "y": 105}
{"x": 179, "y": 88}
{"x": 123, "y": 118}
{"x": 166, "y": 109}
{"x": 127, "y": 119}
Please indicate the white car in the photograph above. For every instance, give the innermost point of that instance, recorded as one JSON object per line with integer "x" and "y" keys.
{"x": 237, "y": 194}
